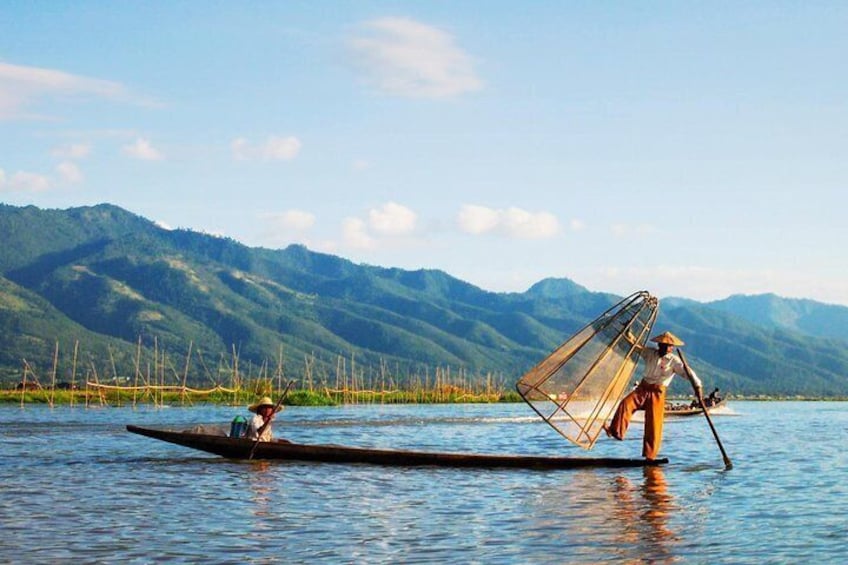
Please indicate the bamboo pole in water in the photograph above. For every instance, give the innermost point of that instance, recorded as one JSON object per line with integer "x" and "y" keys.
{"x": 74, "y": 372}
{"x": 354, "y": 390}
{"x": 307, "y": 367}
{"x": 162, "y": 378}
{"x": 382, "y": 380}
{"x": 24, "y": 384}
{"x": 162, "y": 374}
{"x": 148, "y": 390}
{"x": 185, "y": 372}
{"x": 137, "y": 368}
{"x": 205, "y": 368}
{"x": 235, "y": 376}
{"x": 155, "y": 369}
{"x": 359, "y": 385}
{"x": 114, "y": 375}
{"x": 97, "y": 383}
{"x": 53, "y": 376}
{"x": 336, "y": 382}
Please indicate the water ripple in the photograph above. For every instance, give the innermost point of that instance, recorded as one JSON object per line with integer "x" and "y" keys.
{"x": 106, "y": 496}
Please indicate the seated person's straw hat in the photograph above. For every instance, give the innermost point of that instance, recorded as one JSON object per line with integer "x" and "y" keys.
{"x": 264, "y": 401}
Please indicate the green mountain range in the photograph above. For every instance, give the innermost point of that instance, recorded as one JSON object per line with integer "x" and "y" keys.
{"x": 119, "y": 295}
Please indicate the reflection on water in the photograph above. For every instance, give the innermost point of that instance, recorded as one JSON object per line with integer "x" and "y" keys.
{"x": 644, "y": 511}
{"x": 75, "y": 486}
{"x": 261, "y": 488}
{"x": 626, "y": 512}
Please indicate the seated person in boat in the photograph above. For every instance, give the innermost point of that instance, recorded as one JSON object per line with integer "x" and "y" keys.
{"x": 264, "y": 415}
{"x": 713, "y": 398}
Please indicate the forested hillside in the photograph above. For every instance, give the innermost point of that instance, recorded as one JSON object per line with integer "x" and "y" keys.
{"x": 121, "y": 290}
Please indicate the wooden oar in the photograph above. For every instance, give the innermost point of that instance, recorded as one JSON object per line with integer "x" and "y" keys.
{"x": 267, "y": 422}
{"x": 727, "y": 464}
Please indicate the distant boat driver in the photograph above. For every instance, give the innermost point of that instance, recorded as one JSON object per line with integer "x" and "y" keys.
{"x": 264, "y": 413}
{"x": 661, "y": 364}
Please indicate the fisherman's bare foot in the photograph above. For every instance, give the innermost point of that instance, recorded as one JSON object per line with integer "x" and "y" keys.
{"x": 609, "y": 433}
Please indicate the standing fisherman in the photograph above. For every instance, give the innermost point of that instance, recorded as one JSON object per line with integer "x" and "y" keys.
{"x": 661, "y": 364}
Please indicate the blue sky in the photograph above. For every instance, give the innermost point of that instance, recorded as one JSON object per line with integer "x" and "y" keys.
{"x": 695, "y": 149}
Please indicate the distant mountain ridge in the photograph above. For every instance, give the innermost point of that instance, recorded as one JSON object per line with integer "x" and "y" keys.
{"x": 111, "y": 281}
{"x": 801, "y": 315}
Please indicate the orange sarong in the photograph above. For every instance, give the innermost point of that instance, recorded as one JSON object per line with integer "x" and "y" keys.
{"x": 651, "y": 398}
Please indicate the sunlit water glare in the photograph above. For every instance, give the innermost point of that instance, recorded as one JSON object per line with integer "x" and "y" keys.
{"x": 75, "y": 486}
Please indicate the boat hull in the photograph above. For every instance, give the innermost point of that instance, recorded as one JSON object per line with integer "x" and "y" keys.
{"x": 234, "y": 448}
{"x": 691, "y": 411}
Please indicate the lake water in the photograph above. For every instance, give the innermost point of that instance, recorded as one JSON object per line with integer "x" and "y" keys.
{"x": 75, "y": 486}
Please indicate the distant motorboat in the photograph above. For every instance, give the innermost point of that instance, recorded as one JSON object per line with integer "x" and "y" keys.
{"x": 691, "y": 409}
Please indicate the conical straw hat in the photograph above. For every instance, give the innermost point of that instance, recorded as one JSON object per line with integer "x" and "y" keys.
{"x": 668, "y": 338}
{"x": 264, "y": 401}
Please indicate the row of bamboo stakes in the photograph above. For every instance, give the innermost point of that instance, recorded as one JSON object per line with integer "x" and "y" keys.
{"x": 352, "y": 383}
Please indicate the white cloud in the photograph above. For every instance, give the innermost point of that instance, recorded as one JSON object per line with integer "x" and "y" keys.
{"x": 288, "y": 226}
{"x": 389, "y": 225}
{"x": 23, "y": 181}
{"x": 530, "y": 225}
{"x": 477, "y": 220}
{"x": 392, "y": 219}
{"x": 355, "y": 234}
{"x": 275, "y": 148}
{"x": 21, "y": 86}
{"x": 142, "y": 149}
{"x": 512, "y": 222}
{"x": 293, "y": 220}
{"x": 407, "y": 58}
{"x": 69, "y": 172}
{"x": 281, "y": 148}
{"x": 72, "y": 151}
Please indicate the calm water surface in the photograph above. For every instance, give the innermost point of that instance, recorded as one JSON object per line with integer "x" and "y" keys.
{"x": 75, "y": 486}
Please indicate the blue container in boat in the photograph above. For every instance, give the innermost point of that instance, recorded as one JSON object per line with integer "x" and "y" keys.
{"x": 238, "y": 427}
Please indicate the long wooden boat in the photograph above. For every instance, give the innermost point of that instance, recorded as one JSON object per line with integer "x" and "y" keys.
{"x": 237, "y": 448}
{"x": 689, "y": 410}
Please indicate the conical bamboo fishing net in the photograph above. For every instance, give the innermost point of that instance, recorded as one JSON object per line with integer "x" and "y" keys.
{"x": 577, "y": 387}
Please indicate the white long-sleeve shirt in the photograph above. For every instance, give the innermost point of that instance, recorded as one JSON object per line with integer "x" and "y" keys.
{"x": 660, "y": 370}
{"x": 253, "y": 429}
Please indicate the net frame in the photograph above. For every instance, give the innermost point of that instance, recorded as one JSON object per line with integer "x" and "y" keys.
{"x": 576, "y": 388}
